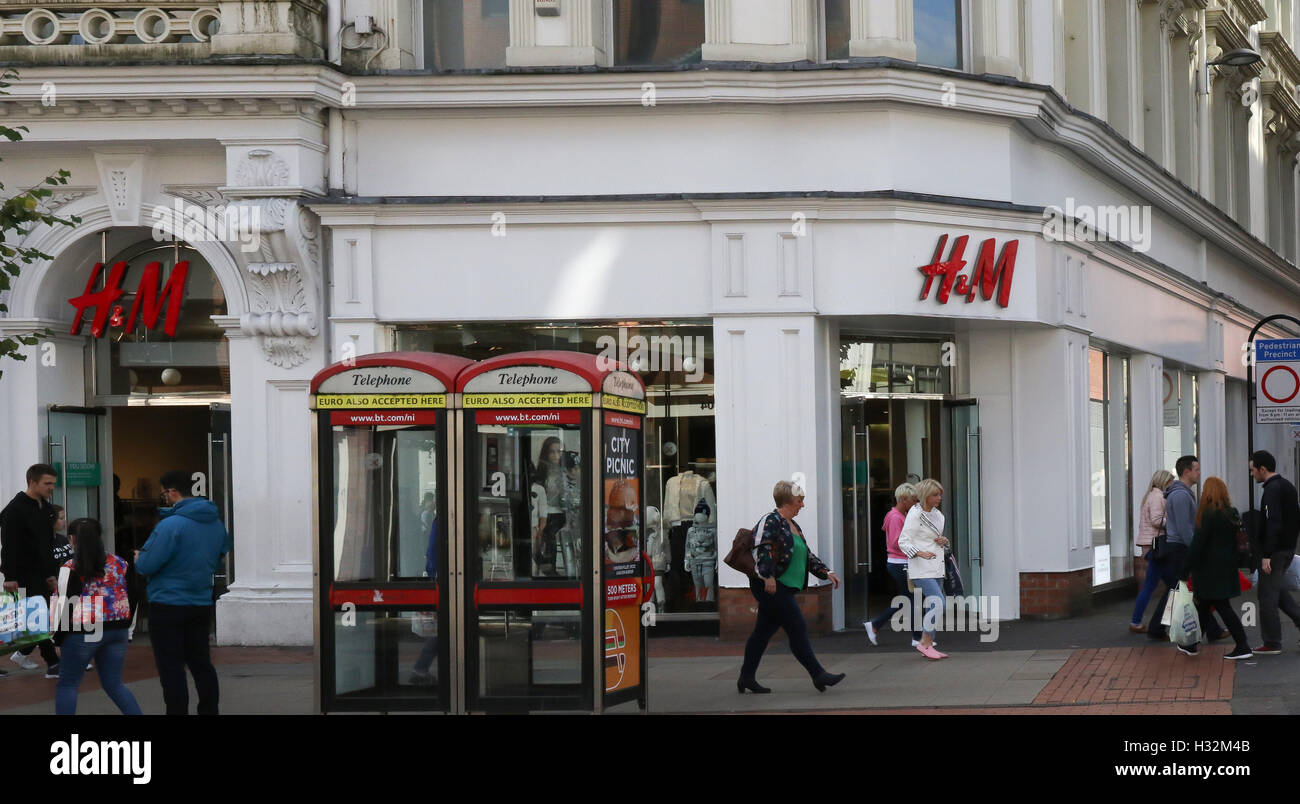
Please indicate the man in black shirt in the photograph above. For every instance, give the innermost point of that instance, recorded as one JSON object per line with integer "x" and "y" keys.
{"x": 1280, "y": 527}
{"x": 27, "y": 550}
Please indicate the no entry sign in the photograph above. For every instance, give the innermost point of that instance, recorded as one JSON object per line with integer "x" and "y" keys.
{"x": 1277, "y": 381}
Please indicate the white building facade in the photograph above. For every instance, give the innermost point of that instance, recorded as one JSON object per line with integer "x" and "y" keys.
{"x": 770, "y": 178}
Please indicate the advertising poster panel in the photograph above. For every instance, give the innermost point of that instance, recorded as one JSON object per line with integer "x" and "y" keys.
{"x": 623, "y": 570}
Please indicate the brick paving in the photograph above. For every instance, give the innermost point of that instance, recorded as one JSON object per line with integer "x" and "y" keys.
{"x": 1149, "y": 674}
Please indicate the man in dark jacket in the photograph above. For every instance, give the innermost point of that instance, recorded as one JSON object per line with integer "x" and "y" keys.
{"x": 1180, "y": 527}
{"x": 1277, "y": 536}
{"x": 27, "y": 551}
{"x": 179, "y": 559}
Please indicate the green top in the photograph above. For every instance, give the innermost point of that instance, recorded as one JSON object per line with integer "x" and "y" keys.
{"x": 796, "y": 575}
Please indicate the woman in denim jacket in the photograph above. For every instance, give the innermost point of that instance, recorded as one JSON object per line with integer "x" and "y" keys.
{"x": 783, "y": 562}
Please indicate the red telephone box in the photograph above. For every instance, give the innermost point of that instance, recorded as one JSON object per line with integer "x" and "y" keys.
{"x": 385, "y": 477}
{"x": 481, "y": 545}
{"x": 553, "y": 550}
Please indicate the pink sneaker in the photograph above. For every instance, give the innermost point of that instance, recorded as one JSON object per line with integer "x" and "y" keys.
{"x": 929, "y": 652}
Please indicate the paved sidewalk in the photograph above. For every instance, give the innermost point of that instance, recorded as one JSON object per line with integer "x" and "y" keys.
{"x": 1087, "y": 665}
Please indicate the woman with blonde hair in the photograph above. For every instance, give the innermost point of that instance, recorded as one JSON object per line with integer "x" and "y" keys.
{"x": 1212, "y": 564}
{"x": 896, "y": 560}
{"x": 922, "y": 541}
{"x": 1151, "y": 524}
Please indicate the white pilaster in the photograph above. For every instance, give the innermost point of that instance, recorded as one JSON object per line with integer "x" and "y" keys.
{"x": 996, "y": 37}
{"x": 778, "y": 412}
{"x": 1085, "y": 63}
{"x": 772, "y": 31}
{"x": 882, "y": 28}
{"x": 1213, "y": 431}
{"x": 1146, "y": 416}
{"x": 573, "y": 38}
{"x": 1123, "y": 68}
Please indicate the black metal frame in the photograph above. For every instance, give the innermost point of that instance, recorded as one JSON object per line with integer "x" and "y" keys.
{"x": 1250, "y": 388}
{"x": 580, "y": 696}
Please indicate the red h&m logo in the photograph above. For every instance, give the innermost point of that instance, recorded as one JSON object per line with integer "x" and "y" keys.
{"x": 987, "y": 275}
{"x": 146, "y": 299}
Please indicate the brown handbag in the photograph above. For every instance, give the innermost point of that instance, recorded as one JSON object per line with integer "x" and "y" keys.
{"x": 741, "y": 555}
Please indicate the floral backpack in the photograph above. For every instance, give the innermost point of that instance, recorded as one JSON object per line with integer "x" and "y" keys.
{"x": 103, "y": 599}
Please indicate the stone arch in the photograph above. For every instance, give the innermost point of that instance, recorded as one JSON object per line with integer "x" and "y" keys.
{"x": 39, "y": 293}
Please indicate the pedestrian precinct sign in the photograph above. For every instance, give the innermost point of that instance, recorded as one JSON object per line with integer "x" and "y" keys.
{"x": 1277, "y": 381}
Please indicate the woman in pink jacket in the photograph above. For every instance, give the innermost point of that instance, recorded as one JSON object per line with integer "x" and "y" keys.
{"x": 1151, "y": 523}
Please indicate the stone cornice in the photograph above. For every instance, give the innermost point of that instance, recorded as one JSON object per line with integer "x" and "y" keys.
{"x": 887, "y": 85}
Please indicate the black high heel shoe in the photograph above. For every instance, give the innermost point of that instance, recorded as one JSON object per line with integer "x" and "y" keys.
{"x": 825, "y": 680}
{"x": 750, "y": 684}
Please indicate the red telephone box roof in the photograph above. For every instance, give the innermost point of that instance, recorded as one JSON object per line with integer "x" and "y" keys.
{"x": 443, "y": 367}
{"x": 591, "y": 368}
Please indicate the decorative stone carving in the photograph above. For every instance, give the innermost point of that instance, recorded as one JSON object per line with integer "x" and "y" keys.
{"x": 203, "y": 196}
{"x": 60, "y": 198}
{"x": 262, "y": 168}
{"x": 283, "y": 280}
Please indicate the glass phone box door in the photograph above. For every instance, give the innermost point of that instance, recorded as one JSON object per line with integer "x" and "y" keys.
{"x": 385, "y": 558}
{"x": 527, "y": 534}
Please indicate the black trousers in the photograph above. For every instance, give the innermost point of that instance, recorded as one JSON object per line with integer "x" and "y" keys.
{"x": 778, "y": 611}
{"x": 180, "y": 639}
{"x": 1230, "y": 619}
{"x": 46, "y": 648}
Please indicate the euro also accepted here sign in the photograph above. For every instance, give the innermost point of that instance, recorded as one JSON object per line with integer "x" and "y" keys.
{"x": 1277, "y": 381}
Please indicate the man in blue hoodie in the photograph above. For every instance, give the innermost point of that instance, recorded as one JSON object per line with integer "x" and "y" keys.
{"x": 1180, "y": 527}
{"x": 179, "y": 560}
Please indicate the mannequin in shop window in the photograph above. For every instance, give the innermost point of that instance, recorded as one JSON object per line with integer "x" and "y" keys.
{"x": 551, "y": 477}
{"x": 571, "y": 534}
{"x": 702, "y": 553}
{"x": 658, "y": 549}
{"x": 682, "y": 493}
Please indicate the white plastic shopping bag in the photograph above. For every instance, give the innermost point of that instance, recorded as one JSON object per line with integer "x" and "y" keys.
{"x": 1184, "y": 624}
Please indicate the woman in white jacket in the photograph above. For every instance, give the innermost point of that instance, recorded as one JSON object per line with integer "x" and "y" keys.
{"x": 923, "y": 542}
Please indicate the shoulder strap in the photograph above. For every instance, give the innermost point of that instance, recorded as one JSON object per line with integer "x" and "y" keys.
{"x": 921, "y": 515}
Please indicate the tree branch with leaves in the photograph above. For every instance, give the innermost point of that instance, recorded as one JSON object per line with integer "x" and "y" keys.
{"x": 19, "y": 214}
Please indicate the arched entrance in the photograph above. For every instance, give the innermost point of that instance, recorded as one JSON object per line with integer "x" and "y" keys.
{"x": 135, "y": 378}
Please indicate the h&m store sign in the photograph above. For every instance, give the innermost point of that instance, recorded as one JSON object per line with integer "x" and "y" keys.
{"x": 992, "y": 278}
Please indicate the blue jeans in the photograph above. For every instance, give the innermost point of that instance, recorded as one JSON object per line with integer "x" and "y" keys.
{"x": 931, "y": 588}
{"x": 109, "y": 653}
{"x": 1154, "y": 573}
{"x": 898, "y": 574}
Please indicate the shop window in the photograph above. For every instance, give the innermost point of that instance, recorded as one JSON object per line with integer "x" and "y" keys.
{"x": 675, "y": 360}
{"x": 903, "y": 367}
{"x": 1109, "y": 459}
{"x": 650, "y": 32}
{"x": 469, "y": 35}
{"x": 147, "y": 362}
{"x": 1181, "y": 416}
{"x": 937, "y": 29}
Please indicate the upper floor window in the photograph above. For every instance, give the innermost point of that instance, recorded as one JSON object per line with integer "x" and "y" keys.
{"x": 468, "y": 35}
{"x": 658, "y": 31}
{"x": 937, "y": 29}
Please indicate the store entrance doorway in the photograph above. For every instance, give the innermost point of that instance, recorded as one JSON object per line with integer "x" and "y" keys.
{"x": 886, "y": 442}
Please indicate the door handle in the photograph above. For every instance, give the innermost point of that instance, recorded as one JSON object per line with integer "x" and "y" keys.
{"x": 972, "y": 489}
